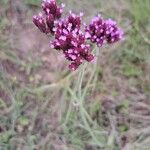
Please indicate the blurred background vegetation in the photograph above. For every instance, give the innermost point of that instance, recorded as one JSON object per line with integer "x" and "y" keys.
{"x": 38, "y": 110}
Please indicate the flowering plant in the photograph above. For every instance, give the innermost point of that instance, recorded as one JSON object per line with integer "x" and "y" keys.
{"x": 75, "y": 40}
{"x": 69, "y": 38}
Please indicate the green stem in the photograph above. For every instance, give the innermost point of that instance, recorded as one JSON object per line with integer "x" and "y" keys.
{"x": 81, "y": 97}
{"x": 78, "y": 95}
{"x": 92, "y": 75}
{"x": 80, "y": 81}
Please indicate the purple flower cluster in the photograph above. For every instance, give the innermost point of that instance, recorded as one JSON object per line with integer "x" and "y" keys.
{"x": 68, "y": 36}
{"x": 102, "y": 31}
{"x": 39, "y": 21}
{"x": 52, "y": 12}
{"x": 71, "y": 40}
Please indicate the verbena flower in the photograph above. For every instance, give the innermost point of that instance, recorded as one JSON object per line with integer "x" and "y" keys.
{"x": 68, "y": 36}
{"x": 71, "y": 40}
{"x": 39, "y": 21}
{"x": 101, "y": 31}
{"x": 50, "y": 7}
{"x": 52, "y": 12}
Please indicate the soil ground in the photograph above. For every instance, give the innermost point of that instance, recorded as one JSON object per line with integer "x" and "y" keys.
{"x": 38, "y": 110}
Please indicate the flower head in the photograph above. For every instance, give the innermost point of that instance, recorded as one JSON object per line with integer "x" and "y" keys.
{"x": 71, "y": 40}
{"x": 52, "y": 12}
{"x": 102, "y": 31}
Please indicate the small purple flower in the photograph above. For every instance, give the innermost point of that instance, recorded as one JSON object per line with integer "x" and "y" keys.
{"x": 51, "y": 7}
{"x": 102, "y": 31}
{"x": 71, "y": 40}
{"x": 39, "y": 21}
{"x": 113, "y": 32}
{"x": 50, "y": 23}
{"x": 52, "y": 12}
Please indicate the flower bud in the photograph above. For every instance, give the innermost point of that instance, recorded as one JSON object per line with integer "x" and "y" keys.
{"x": 40, "y": 23}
